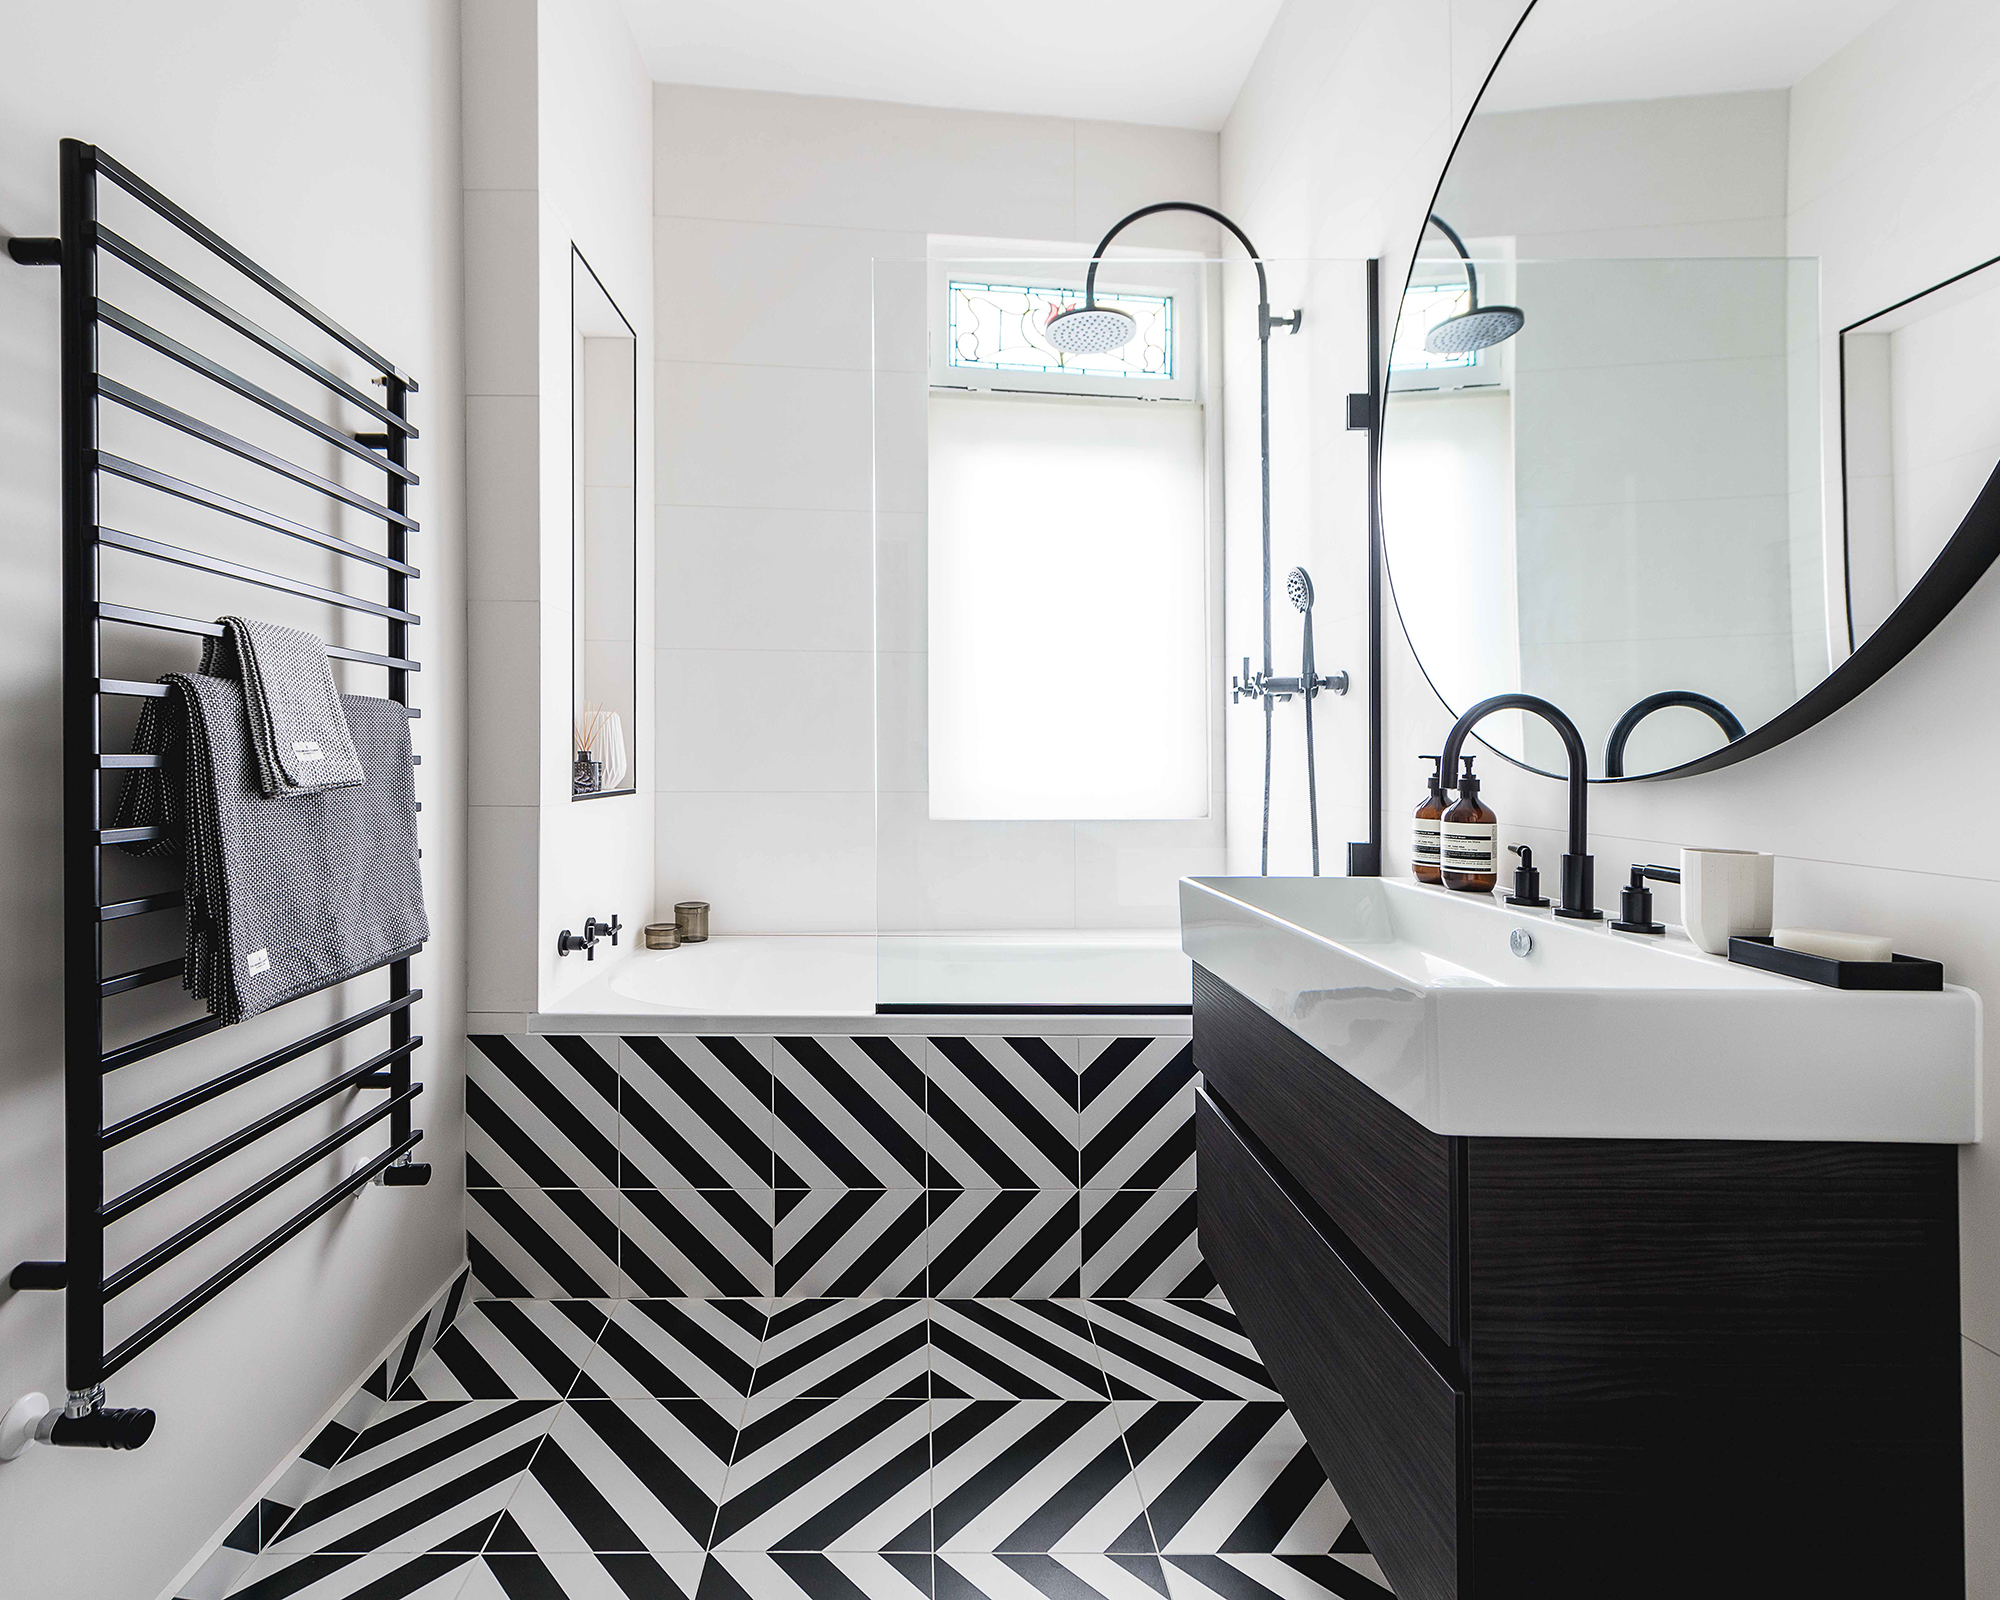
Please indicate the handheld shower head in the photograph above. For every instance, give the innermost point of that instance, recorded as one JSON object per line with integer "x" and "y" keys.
{"x": 1299, "y": 587}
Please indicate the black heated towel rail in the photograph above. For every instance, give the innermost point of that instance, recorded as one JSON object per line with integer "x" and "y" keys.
{"x": 87, "y": 317}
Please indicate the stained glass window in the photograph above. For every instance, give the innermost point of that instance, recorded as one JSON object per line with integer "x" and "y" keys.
{"x": 999, "y": 327}
{"x": 1424, "y": 306}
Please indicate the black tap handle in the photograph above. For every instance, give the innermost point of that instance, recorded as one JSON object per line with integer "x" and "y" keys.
{"x": 613, "y": 927}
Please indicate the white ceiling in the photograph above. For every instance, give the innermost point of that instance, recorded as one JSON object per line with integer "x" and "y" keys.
{"x": 1573, "y": 52}
{"x": 1176, "y": 63}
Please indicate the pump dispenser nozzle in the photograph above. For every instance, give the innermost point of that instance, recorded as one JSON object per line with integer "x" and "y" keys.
{"x": 1527, "y": 880}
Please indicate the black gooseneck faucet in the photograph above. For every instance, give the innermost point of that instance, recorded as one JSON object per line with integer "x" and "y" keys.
{"x": 1578, "y": 891}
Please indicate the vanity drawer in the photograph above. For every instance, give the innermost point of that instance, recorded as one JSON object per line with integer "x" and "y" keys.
{"x": 1383, "y": 1422}
{"x": 1383, "y": 1179}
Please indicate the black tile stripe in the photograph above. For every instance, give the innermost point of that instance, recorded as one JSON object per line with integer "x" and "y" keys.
{"x": 580, "y": 1502}
{"x": 435, "y": 1502}
{"x": 1048, "y": 1065}
{"x": 407, "y": 1579}
{"x": 778, "y": 1485}
{"x": 1050, "y": 1577}
{"x": 997, "y": 1359}
{"x": 871, "y": 1355}
{"x": 599, "y": 1149}
{"x": 840, "y": 1084}
{"x": 493, "y": 1277}
{"x": 820, "y": 1579}
{"x": 862, "y": 1276}
{"x": 1279, "y": 1507}
{"x": 822, "y": 1530}
{"x": 630, "y": 1352}
{"x": 1013, "y": 1276}
{"x": 1172, "y": 1505}
{"x": 685, "y": 1081}
{"x": 1129, "y": 1276}
{"x": 685, "y": 1234}
{"x": 474, "y": 1374}
{"x": 962, "y": 1123}
{"x": 1101, "y": 1071}
{"x": 555, "y": 1259}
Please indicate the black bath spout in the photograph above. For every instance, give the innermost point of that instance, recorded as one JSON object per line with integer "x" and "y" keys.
{"x": 1715, "y": 710}
{"x": 1578, "y": 891}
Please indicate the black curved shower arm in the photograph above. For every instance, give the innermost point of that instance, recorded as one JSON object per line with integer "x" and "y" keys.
{"x": 1464, "y": 255}
{"x": 1118, "y": 227}
{"x": 1713, "y": 709}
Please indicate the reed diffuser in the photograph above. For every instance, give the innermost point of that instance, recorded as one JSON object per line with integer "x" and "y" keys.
{"x": 586, "y": 771}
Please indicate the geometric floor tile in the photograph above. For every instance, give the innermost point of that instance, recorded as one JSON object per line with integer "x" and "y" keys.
{"x": 508, "y": 1350}
{"x": 987, "y": 1243}
{"x": 1142, "y": 1242}
{"x": 655, "y": 1576}
{"x": 381, "y": 1575}
{"x": 1276, "y": 1578}
{"x": 1230, "y": 1477}
{"x": 1176, "y": 1350}
{"x": 425, "y": 1475}
{"x": 1013, "y": 1349}
{"x": 829, "y": 1474}
{"x": 695, "y": 1242}
{"x": 539, "y": 1244}
{"x": 625, "y": 1476}
{"x": 1057, "y": 1577}
{"x": 1033, "y": 1476}
{"x": 867, "y": 1349}
{"x": 683, "y": 1347}
{"x": 799, "y": 1575}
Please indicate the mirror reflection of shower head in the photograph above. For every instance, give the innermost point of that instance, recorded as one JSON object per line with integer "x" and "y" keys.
{"x": 1090, "y": 329}
{"x": 1299, "y": 587}
{"x": 1479, "y": 328}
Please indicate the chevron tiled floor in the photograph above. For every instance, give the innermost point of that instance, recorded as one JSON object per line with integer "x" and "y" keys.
{"x": 826, "y": 1449}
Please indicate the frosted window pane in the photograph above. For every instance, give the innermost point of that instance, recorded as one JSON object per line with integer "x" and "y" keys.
{"x": 1425, "y": 305}
{"x": 998, "y": 327}
{"x": 1067, "y": 610}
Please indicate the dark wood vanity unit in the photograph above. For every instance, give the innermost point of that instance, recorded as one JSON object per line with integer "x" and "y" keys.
{"x": 1560, "y": 1367}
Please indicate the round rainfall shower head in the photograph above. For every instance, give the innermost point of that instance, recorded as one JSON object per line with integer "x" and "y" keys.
{"x": 1299, "y": 586}
{"x": 1090, "y": 330}
{"x": 1474, "y": 330}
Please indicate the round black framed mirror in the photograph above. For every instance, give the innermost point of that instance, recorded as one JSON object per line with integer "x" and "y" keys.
{"x": 1689, "y": 424}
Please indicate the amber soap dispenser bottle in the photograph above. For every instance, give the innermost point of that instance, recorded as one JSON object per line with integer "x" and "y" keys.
{"x": 1469, "y": 844}
{"x": 1424, "y": 851}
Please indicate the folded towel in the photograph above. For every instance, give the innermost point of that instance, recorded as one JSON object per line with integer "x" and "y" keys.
{"x": 297, "y": 727}
{"x": 286, "y": 893}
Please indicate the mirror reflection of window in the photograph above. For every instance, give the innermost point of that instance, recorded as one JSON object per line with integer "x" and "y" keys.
{"x": 604, "y": 540}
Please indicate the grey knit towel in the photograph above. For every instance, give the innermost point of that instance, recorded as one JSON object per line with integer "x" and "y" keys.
{"x": 297, "y": 727}
{"x": 286, "y": 893}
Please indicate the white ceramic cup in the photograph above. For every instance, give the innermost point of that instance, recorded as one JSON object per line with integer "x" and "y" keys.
{"x": 1725, "y": 892}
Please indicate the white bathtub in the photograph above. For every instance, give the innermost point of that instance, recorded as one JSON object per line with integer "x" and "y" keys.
{"x": 1123, "y": 971}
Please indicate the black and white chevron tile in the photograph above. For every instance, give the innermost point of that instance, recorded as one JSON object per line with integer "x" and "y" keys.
{"x": 814, "y": 1575}
{"x": 826, "y": 1348}
{"x": 1013, "y": 1350}
{"x": 1033, "y": 1476}
{"x": 1051, "y": 1577}
{"x": 696, "y": 1113}
{"x": 1002, "y": 1113}
{"x": 1176, "y": 1350}
{"x": 624, "y": 1475}
{"x": 417, "y": 1344}
{"x": 1230, "y": 1477}
{"x": 1136, "y": 1101}
{"x": 1007, "y": 1242}
{"x": 607, "y": 1575}
{"x": 695, "y": 1242}
{"x": 541, "y": 1112}
{"x": 1142, "y": 1242}
{"x": 1324, "y": 1577}
{"x": 829, "y": 1474}
{"x": 542, "y": 1244}
{"x": 508, "y": 1350}
{"x": 676, "y": 1348}
{"x": 850, "y": 1242}
{"x": 849, "y": 1113}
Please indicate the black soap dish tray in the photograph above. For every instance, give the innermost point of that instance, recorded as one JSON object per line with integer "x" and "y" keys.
{"x": 1898, "y": 972}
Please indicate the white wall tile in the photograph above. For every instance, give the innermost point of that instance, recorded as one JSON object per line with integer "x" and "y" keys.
{"x": 502, "y": 493}
{"x": 774, "y": 294}
{"x": 902, "y": 581}
{"x": 732, "y": 578}
{"x": 1121, "y": 166}
{"x": 503, "y": 856}
{"x": 497, "y": 83}
{"x": 772, "y": 720}
{"x": 902, "y": 721}
{"x": 763, "y": 436}
{"x": 770, "y": 863}
{"x": 861, "y": 164}
{"x": 973, "y": 875}
{"x": 503, "y": 765}
{"x": 1127, "y": 873}
{"x": 502, "y": 290}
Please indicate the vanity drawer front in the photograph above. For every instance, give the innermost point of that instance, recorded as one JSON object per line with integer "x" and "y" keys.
{"x": 1383, "y": 1178}
{"x": 1381, "y": 1419}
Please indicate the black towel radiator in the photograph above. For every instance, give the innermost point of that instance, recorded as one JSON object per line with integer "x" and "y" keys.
{"x": 81, "y": 1275}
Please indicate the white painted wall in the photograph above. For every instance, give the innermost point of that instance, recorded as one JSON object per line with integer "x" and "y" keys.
{"x": 1334, "y": 147}
{"x": 559, "y": 145}
{"x": 769, "y": 210}
{"x": 324, "y": 141}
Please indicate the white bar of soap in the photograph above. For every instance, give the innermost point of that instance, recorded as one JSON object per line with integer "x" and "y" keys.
{"x": 1834, "y": 946}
